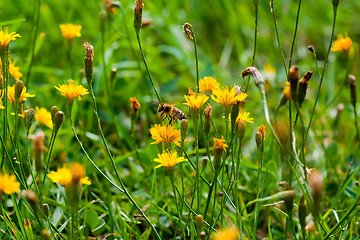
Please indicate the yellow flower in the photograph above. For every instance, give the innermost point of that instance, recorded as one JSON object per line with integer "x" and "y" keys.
{"x": 14, "y": 71}
{"x": 261, "y": 130}
{"x": 168, "y": 159}
{"x": 70, "y": 31}
{"x": 5, "y": 37}
{"x": 69, "y": 175}
{"x": 341, "y": 44}
{"x": 23, "y": 96}
{"x": 229, "y": 234}
{"x": 287, "y": 91}
{"x": 165, "y": 134}
{"x": 219, "y": 144}
{"x": 244, "y": 116}
{"x": 8, "y": 184}
{"x": 43, "y": 117}
{"x": 195, "y": 101}
{"x": 72, "y": 90}
{"x": 227, "y": 97}
{"x": 207, "y": 84}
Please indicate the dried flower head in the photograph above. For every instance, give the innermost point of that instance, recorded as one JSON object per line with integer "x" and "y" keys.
{"x": 165, "y": 134}
{"x": 134, "y": 104}
{"x": 207, "y": 84}
{"x": 88, "y": 59}
{"x": 72, "y": 90}
{"x": 70, "y": 31}
{"x": 188, "y": 31}
{"x": 227, "y": 97}
{"x": 341, "y": 44}
{"x": 168, "y": 159}
{"x": 68, "y": 175}
{"x": 8, "y": 184}
{"x": 43, "y": 116}
{"x": 6, "y": 38}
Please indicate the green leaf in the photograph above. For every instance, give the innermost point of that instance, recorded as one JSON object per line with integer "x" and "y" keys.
{"x": 91, "y": 218}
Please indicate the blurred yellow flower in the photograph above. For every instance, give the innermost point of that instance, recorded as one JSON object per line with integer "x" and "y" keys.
{"x": 244, "y": 116}
{"x": 69, "y": 175}
{"x": 23, "y": 96}
{"x": 6, "y": 38}
{"x": 8, "y": 184}
{"x": 14, "y": 71}
{"x": 227, "y": 234}
{"x": 219, "y": 144}
{"x": 43, "y": 116}
{"x": 165, "y": 134}
{"x": 195, "y": 101}
{"x": 227, "y": 97}
{"x": 287, "y": 91}
{"x": 72, "y": 90}
{"x": 70, "y": 31}
{"x": 1, "y": 96}
{"x": 168, "y": 159}
{"x": 207, "y": 84}
{"x": 341, "y": 44}
{"x": 134, "y": 104}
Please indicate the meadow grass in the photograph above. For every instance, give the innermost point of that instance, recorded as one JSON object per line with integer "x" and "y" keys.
{"x": 179, "y": 119}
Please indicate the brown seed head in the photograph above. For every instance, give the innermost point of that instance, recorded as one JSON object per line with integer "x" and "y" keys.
{"x": 188, "y": 31}
{"x": 352, "y": 86}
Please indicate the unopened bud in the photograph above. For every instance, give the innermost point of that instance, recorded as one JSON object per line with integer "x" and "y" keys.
{"x": 88, "y": 59}
{"x": 352, "y": 86}
{"x": 32, "y": 199}
{"x": 258, "y": 78}
{"x": 54, "y": 110}
{"x": 199, "y": 222}
{"x": 204, "y": 163}
{"x": 138, "y": 10}
{"x": 335, "y": 3}
{"x": 45, "y": 234}
{"x": 302, "y": 212}
{"x": 235, "y": 108}
{"x": 113, "y": 74}
{"x": 315, "y": 181}
{"x": 219, "y": 148}
{"x": 303, "y": 85}
{"x": 1, "y": 81}
{"x": 58, "y": 119}
{"x": 46, "y": 209}
{"x": 183, "y": 129}
{"x": 207, "y": 122}
{"x": 29, "y": 116}
{"x": 293, "y": 76}
{"x": 38, "y": 145}
{"x": 259, "y": 142}
{"x": 202, "y": 235}
{"x": 188, "y": 31}
{"x": 19, "y": 86}
{"x": 240, "y": 128}
{"x": 311, "y": 49}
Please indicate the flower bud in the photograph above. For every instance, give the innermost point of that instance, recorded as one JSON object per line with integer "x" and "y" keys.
{"x": 54, "y": 110}
{"x": 46, "y": 209}
{"x": 352, "y": 86}
{"x": 45, "y": 234}
{"x": 88, "y": 59}
{"x": 1, "y": 81}
{"x": 219, "y": 147}
{"x": 302, "y": 212}
{"x": 58, "y": 119}
{"x": 311, "y": 49}
{"x": 259, "y": 142}
{"x": 113, "y": 74}
{"x": 138, "y": 10}
{"x": 202, "y": 235}
{"x": 240, "y": 129}
{"x": 38, "y": 145}
{"x": 183, "y": 129}
{"x": 32, "y": 199}
{"x": 135, "y": 105}
{"x": 199, "y": 222}
{"x": 335, "y": 3}
{"x": 19, "y": 86}
{"x": 207, "y": 122}
{"x": 293, "y": 76}
{"x": 188, "y": 31}
{"x": 315, "y": 181}
{"x": 303, "y": 85}
{"x": 29, "y": 116}
{"x": 204, "y": 163}
{"x": 235, "y": 108}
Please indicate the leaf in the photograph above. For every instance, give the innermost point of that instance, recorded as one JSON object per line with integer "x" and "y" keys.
{"x": 91, "y": 218}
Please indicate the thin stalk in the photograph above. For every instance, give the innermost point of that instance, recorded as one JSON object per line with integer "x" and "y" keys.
{"x": 196, "y": 129}
{"x": 176, "y": 201}
{"x": 47, "y": 160}
{"x": 356, "y": 122}
{"x": 5, "y": 64}
{"x": 294, "y": 36}
{"x": 257, "y": 207}
{"x": 147, "y": 69}
{"x": 36, "y": 26}
{"x": 196, "y": 62}
{"x": 323, "y": 72}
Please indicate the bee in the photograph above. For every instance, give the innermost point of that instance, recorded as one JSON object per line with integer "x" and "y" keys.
{"x": 168, "y": 110}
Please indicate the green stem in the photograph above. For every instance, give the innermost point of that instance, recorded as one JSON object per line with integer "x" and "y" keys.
{"x": 295, "y": 31}
{"x": 196, "y": 128}
{"x": 257, "y": 207}
{"x": 5, "y": 65}
{"x": 196, "y": 62}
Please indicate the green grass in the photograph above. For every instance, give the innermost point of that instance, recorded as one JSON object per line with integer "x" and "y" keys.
{"x": 224, "y": 33}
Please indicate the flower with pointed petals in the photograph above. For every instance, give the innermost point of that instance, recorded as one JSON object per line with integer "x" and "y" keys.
{"x": 72, "y": 90}
{"x": 227, "y": 97}
{"x": 207, "y": 84}
{"x": 195, "y": 101}
{"x": 8, "y": 184}
{"x": 70, "y": 31}
{"x": 244, "y": 116}
{"x": 262, "y": 131}
{"x": 14, "y": 71}
{"x": 341, "y": 44}
{"x": 43, "y": 116}
{"x": 69, "y": 175}
{"x": 6, "y": 38}
{"x": 23, "y": 96}
{"x": 168, "y": 159}
{"x": 165, "y": 134}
